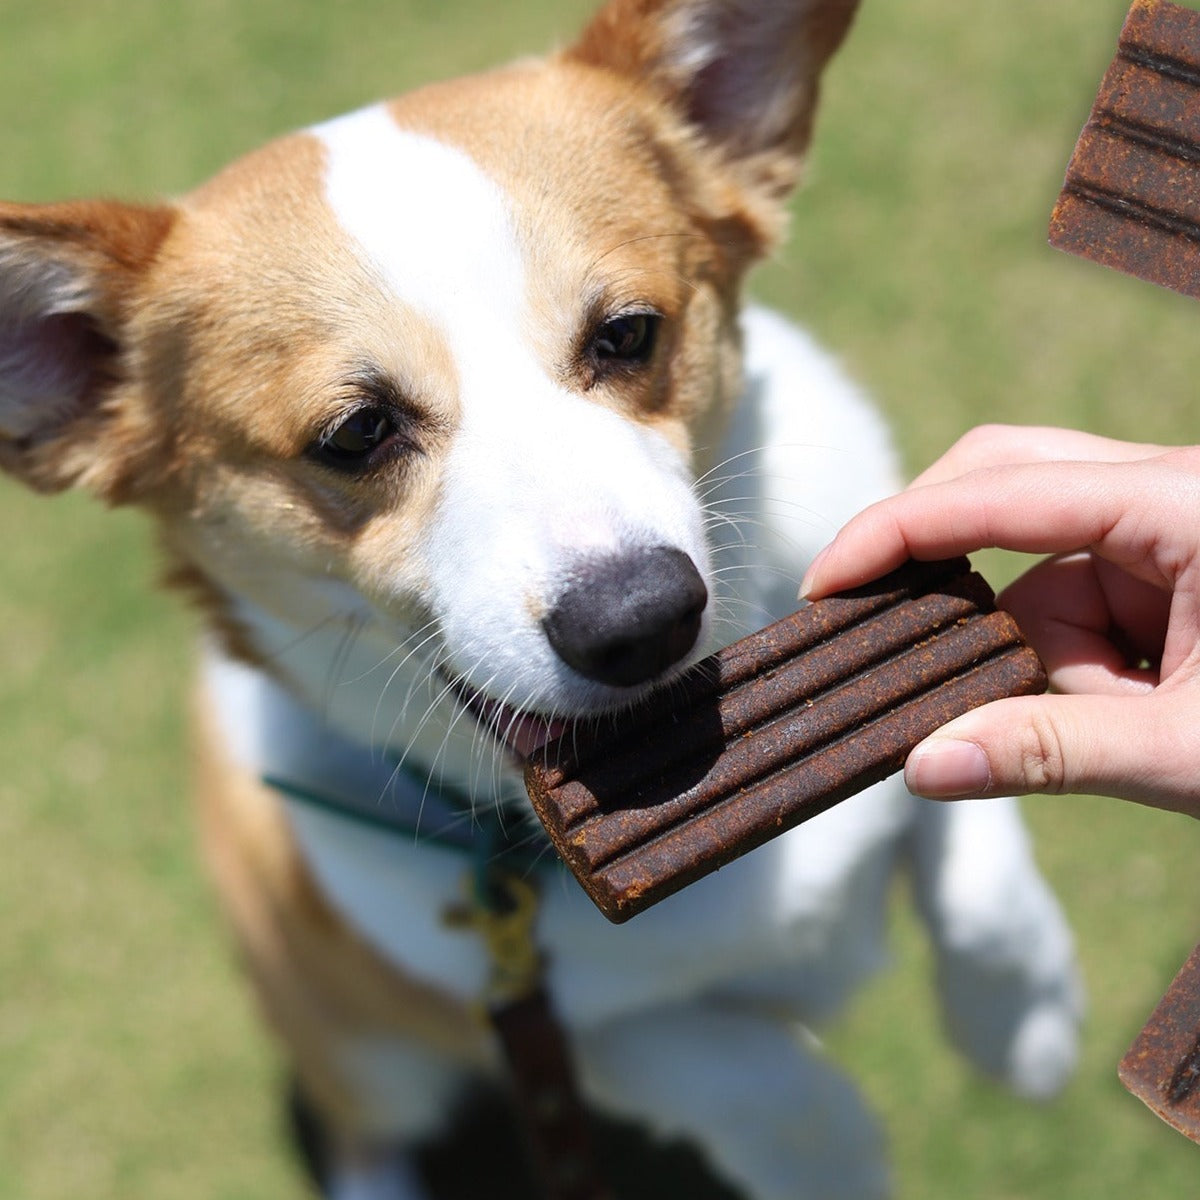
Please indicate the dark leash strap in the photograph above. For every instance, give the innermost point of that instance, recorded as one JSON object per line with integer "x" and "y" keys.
{"x": 543, "y": 1078}
{"x": 502, "y": 908}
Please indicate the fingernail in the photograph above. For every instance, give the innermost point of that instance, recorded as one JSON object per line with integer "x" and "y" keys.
{"x": 947, "y": 769}
{"x": 806, "y": 582}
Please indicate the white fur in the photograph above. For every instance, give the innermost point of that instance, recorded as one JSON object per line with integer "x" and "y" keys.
{"x": 668, "y": 1012}
{"x": 505, "y": 538}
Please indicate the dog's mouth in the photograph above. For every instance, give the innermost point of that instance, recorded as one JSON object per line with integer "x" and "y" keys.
{"x": 520, "y": 732}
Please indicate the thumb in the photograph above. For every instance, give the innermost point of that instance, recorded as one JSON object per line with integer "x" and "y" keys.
{"x": 1138, "y": 748}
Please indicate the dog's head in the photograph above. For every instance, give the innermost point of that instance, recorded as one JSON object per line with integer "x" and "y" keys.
{"x": 446, "y": 367}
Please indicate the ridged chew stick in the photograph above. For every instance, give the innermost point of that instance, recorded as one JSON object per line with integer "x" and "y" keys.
{"x": 1131, "y": 198}
{"x": 1162, "y": 1067}
{"x": 773, "y": 730}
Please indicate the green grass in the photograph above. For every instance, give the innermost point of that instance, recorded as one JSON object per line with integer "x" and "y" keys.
{"x": 131, "y": 1064}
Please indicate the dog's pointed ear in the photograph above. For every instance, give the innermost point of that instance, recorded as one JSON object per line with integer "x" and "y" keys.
{"x": 745, "y": 73}
{"x": 70, "y": 278}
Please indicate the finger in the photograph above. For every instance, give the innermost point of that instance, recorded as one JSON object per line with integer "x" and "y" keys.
{"x": 1129, "y": 512}
{"x": 1007, "y": 445}
{"x": 1142, "y": 749}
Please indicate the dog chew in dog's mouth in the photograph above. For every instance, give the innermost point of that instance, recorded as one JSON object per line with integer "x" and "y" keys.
{"x": 773, "y": 730}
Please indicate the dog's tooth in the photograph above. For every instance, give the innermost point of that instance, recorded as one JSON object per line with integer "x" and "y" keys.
{"x": 773, "y": 730}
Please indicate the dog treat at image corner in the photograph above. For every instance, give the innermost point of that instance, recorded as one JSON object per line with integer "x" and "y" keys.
{"x": 1162, "y": 1067}
{"x": 773, "y": 730}
{"x": 1131, "y": 197}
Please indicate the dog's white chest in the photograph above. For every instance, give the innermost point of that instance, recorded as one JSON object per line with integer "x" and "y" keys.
{"x": 398, "y": 893}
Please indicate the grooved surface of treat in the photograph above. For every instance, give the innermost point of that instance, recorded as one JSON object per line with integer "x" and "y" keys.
{"x": 1162, "y": 1066}
{"x": 773, "y": 730}
{"x": 1131, "y": 198}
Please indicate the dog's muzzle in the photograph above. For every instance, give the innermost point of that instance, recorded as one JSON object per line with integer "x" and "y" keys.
{"x": 624, "y": 619}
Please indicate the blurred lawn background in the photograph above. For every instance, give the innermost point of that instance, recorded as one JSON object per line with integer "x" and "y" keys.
{"x": 130, "y": 1062}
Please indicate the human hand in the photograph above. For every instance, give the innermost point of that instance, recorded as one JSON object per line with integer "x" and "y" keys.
{"x": 1114, "y": 611}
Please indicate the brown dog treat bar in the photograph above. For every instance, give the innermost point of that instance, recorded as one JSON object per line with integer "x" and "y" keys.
{"x": 1162, "y": 1067}
{"x": 773, "y": 730}
{"x": 1131, "y": 199}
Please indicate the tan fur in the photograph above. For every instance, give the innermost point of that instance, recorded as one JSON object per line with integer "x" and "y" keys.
{"x": 268, "y": 317}
{"x": 320, "y": 985}
{"x": 103, "y": 252}
{"x": 637, "y": 40}
{"x": 705, "y": 232}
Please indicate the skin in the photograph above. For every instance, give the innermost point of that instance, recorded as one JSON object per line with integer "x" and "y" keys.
{"x": 1113, "y": 609}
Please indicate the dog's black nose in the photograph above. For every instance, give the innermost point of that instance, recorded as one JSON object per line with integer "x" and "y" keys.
{"x": 625, "y": 619}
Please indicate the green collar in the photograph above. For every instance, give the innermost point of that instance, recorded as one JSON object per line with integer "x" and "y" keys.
{"x": 501, "y": 834}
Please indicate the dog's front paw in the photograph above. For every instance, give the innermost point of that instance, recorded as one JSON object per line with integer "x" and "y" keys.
{"x": 1044, "y": 1050}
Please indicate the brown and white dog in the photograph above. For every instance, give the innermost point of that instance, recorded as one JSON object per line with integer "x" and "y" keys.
{"x": 451, "y": 419}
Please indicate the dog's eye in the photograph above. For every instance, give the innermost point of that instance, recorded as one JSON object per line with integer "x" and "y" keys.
{"x": 357, "y": 438}
{"x": 627, "y": 339}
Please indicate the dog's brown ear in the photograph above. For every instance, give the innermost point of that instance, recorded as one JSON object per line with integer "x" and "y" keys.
{"x": 70, "y": 278}
{"x": 744, "y": 72}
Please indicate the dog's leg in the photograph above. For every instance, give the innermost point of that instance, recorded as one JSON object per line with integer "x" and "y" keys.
{"x": 776, "y": 1119}
{"x": 1007, "y": 976}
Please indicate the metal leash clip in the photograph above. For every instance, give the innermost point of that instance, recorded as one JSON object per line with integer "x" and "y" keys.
{"x": 502, "y": 909}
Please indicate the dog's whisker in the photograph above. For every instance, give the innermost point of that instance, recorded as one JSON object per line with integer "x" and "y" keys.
{"x": 685, "y": 234}
{"x": 433, "y": 671}
{"x": 632, "y": 282}
{"x": 710, "y": 478}
{"x": 435, "y": 766}
{"x": 715, "y": 523}
{"x": 430, "y": 709}
{"x": 277, "y": 654}
{"x": 486, "y": 750}
{"x": 431, "y": 771}
{"x": 431, "y": 631}
{"x": 354, "y": 626}
{"x": 402, "y": 647}
{"x": 769, "y": 505}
